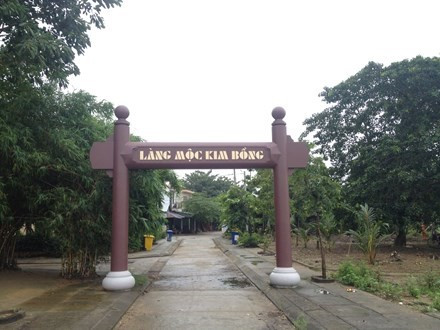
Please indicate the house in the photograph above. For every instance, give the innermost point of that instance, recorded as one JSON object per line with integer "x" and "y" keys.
{"x": 179, "y": 221}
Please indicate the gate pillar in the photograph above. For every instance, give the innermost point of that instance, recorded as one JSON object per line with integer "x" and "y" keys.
{"x": 119, "y": 278}
{"x": 283, "y": 275}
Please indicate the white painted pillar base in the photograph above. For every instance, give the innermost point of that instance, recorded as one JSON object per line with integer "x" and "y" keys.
{"x": 115, "y": 281}
{"x": 284, "y": 277}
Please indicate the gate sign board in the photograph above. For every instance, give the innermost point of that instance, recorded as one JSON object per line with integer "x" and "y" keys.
{"x": 118, "y": 155}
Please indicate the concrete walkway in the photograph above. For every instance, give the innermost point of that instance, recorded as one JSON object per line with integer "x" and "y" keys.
{"x": 197, "y": 285}
{"x": 200, "y": 288}
{"x": 325, "y": 306}
{"x": 50, "y": 302}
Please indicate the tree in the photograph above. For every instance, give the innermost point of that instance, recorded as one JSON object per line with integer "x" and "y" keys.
{"x": 381, "y": 133}
{"x": 237, "y": 212}
{"x": 206, "y": 211}
{"x": 313, "y": 192}
{"x": 45, "y": 173}
{"x": 261, "y": 186}
{"x": 369, "y": 233}
{"x": 40, "y": 39}
{"x": 206, "y": 183}
{"x": 47, "y": 181}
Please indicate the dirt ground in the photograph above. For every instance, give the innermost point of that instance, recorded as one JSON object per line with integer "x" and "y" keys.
{"x": 394, "y": 264}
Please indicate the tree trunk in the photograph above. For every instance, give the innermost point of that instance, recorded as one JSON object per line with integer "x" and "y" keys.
{"x": 323, "y": 264}
{"x": 400, "y": 239}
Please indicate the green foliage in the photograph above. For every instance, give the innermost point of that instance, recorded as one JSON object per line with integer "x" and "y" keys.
{"x": 266, "y": 240}
{"x": 358, "y": 275}
{"x": 430, "y": 282}
{"x": 249, "y": 240}
{"x": 413, "y": 288}
{"x": 146, "y": 197}
{"x": 436, "y": 302}
{"x": 328, "y": 228}
{"x": 361, "y": 277}
{"x": 313, "y": 192}
{"x": 237, "y": 212}
{"x": 140, "y": 280}
{"x": 205, "y": 210}
{"x": 206, "y": 183}
{"x": 39, "y": 39}
{"x": 304, "y": 233}
{"x": 261, "y": 186}
{"x": 369, "y": 233}
{"x": 381, "y": 133}
{"x": 46, "y": 178}
{"x": 427, "y": 285}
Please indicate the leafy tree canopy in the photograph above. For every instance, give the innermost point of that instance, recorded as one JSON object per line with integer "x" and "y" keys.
{"x": 206, "y": 183}
{"x": 237, "y": 210}
{"x": 40, "y": 38}
{"x": 381, "y": 133}
{"x": 205, "y": 210}
{"x": 313, "y": 192}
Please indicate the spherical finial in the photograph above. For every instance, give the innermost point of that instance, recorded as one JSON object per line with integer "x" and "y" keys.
{"x": 122, "y": 112}
{"x": 278, "y": 113}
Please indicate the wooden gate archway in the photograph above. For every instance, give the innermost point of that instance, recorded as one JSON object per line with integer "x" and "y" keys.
{"x": 118, "y": 155}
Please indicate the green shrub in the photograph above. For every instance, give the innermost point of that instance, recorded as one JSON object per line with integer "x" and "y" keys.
{"x": 390, "y": 291}
{"x": 358, "y": 275}
{"x": 266, "y": 240}
{"x": 412, "y": 286}
{"x": 430, "y": 282}
{"x": 436, "y": 302}
{"x": 249, "y": 240}
{"x": 159, "y": 234}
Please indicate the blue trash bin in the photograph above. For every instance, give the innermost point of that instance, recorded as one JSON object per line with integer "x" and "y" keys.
{"x": 234, "y": 237}
{"x": 169, "y": 235}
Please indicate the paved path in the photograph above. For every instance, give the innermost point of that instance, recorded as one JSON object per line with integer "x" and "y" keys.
{"x": 200, "y": 288}
{"x": 326, "y": 306}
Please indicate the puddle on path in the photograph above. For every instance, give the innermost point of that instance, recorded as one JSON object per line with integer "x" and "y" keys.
{"x": 237, "y": 282}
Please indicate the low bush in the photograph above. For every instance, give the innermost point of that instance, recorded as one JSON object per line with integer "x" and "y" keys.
{"x": 358, "y": 275}
{"x": 249, "y": 240}
{"x": 390, "y": 291}
{"x": 412, "y": 286}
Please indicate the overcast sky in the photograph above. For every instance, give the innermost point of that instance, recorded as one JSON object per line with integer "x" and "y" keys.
{"x": 212, "y": 71}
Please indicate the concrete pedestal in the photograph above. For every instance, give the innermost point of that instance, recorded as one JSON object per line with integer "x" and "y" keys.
{"x": 284, "y": 277}
{"x": 116, "y": 281}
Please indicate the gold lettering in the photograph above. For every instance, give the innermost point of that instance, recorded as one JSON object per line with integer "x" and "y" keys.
{"x": 198, "y": 155}
{"x": 234, "y": 155}
{"x": 252, "y": 155}
{"x": 166, "y": 155}
{"x": 223, "y": 155}
{"x": 259, "y": 154}
{"x": 180, "y": 155}
{"x": 243, "y": 154}
{"x": 150, "y": 155}
{"x": 208, "y": 155}
{"x": 189, "y": 154}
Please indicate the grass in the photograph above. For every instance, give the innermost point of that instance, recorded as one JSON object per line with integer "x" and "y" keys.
{"x": 140, "y": 280}
{"x": 426, "y": 287}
